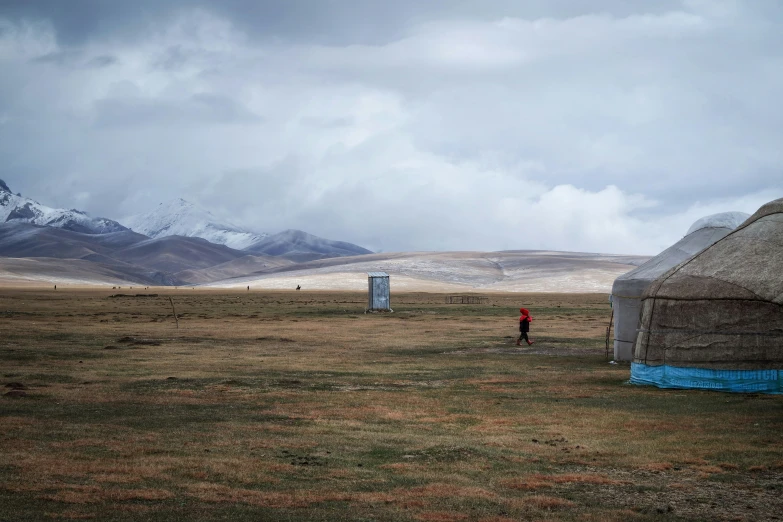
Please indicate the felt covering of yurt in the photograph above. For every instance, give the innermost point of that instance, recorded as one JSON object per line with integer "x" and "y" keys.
{"x": 716, "y": 320}
{"x": 627, "y": 289}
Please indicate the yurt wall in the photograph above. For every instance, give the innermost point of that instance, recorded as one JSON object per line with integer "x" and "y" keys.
{"x": 627, "y": 289}
{"x": 716, "y": 321}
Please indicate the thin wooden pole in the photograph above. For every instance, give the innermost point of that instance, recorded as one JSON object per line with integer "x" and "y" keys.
{"x": 608, "y": 328}
{"x": 174, "y": 311}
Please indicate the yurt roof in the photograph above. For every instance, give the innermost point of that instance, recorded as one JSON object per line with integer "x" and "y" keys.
{"x": 730, "y": 220}
{"x": 746, "y": 264}
{"x": 703, "y": 233}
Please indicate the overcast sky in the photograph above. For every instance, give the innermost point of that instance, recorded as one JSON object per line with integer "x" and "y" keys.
{"x": 601, "y": 126}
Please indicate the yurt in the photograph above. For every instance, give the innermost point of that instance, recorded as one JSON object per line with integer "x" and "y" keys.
{"x": 716, "y": 321}
{"x": 627, "y": 289}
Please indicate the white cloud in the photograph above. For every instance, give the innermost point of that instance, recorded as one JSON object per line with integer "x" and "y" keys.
{"x": 591, "y": 133}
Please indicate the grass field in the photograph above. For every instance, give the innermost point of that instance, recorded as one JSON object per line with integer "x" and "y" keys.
{"x": 298, "y": 406}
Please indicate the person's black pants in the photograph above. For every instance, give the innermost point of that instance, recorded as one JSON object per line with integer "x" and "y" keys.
{"x": 523, "y": 335}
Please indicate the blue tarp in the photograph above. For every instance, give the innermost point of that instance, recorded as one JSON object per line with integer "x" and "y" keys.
{"x": 742, "y": 381}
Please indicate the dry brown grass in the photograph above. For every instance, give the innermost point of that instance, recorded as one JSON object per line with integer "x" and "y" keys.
{"x": 76, "y": 494}
{"x": 548, "y": 503}
{"x": 298, "y": 406}
{"x": 658, "y": 466}
{"x": 70, "y": 515}
{"x": 539, "y": 481}
{"x": 527, "y": 484}
{"x": 441, "y": 516}
{"x": 708, "y": 469}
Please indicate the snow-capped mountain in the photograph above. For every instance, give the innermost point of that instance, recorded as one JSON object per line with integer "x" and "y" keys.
{"x": 182, "y": 218}
{"x": 301, "y": 246}
{"x": 16, "y": 208}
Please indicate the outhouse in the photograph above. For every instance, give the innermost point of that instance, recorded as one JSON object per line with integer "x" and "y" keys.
{"x": 379, "y": 290}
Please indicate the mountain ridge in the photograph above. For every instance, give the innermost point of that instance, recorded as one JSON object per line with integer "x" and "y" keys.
{"x": 17, "y": 208}
{"x": 179, "y": 217}
{"x": 178, "y": 237}
{"x": 183, "y": 218}
{"x": 301, "y": 246}
{"x": 126, "y": 251}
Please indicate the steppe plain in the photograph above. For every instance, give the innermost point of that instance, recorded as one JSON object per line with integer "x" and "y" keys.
{"x": 284, "y": 405}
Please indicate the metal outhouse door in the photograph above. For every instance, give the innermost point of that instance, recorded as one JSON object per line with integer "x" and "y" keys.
{"x": 379, "y": 291}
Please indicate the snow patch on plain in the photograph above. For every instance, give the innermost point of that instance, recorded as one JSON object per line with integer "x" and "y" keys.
{"x": 496, "y": 272}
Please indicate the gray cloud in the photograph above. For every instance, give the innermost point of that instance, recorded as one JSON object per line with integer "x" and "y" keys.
{"x": 331, "y": 22}
{"x": 202, "y": 108}
{"x": 74, "y": 58}
{"x": 602, "y": 126}
{"x": 102, "y": 61}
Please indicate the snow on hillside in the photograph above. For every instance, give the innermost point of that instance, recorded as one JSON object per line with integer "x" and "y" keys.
{"x": 509, "y": 271}
{"x": 182, "y": 218}
{"x": 296, "y": 242}
{"x": 21, "y": 209}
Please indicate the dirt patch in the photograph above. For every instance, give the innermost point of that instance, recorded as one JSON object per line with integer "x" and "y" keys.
{"x": 542, "y": 348}
{"x": 289, "y": 383}
{"x": 686, "y": 494}
{"x": 134, "y": 341}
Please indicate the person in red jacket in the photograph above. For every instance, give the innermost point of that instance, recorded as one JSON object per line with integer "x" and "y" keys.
{"x": 524, "y": 326}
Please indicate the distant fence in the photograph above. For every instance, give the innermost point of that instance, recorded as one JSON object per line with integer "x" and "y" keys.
{"x": 466, "y": 299}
